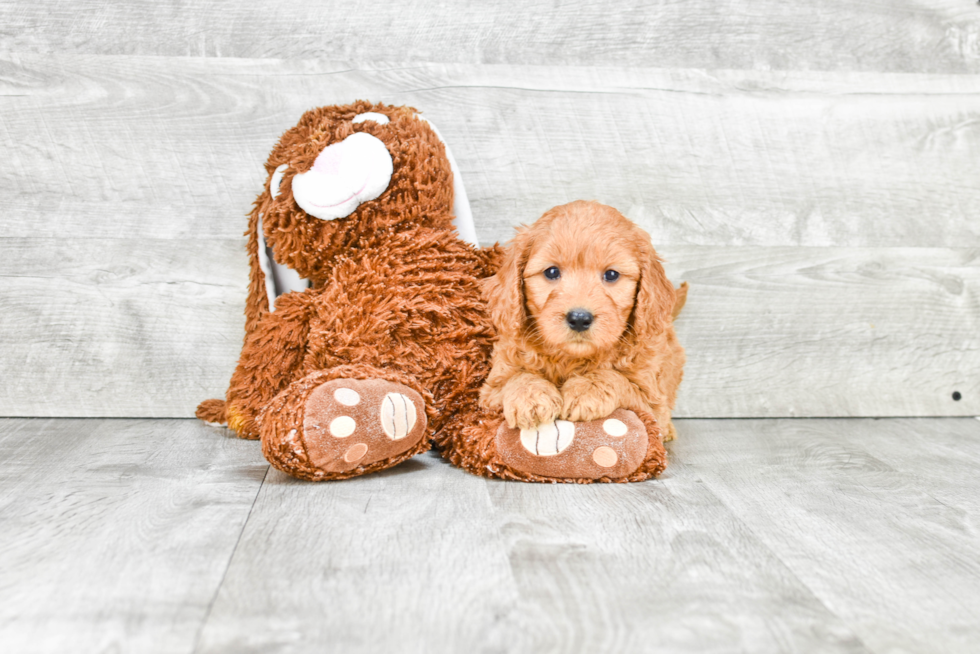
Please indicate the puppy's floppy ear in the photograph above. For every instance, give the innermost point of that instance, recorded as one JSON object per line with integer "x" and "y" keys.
{"x": 655, "y": 297}
{"x": 504, "y": 292}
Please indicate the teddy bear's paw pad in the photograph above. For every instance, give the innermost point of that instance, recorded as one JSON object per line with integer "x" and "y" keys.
{"x": 611, "y": 447}
{"x": 352, "y": 422}
{"x": 549, "y": 439}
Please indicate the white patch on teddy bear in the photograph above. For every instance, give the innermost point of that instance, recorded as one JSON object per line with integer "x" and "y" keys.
{"x": 344, "y": 175}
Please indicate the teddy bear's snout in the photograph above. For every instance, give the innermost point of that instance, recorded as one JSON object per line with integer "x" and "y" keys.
{"x": 343, "y": 176}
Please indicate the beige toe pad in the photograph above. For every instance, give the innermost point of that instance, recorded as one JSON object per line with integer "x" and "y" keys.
{"x": 611, "y": 447}
{"x": 351, "y": 422}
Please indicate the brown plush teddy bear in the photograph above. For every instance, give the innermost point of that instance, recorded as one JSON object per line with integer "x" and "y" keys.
{"x": 389, "y": 342}
{"x": 384, "y": 342}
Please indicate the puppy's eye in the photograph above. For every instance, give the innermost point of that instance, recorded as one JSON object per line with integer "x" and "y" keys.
{"x": 276, "y": 180}
{"x": 610, "y": 275}
{"x": 552, "y": 273}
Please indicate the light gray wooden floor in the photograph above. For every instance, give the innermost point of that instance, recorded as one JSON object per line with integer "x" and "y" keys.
{"x": 126, "y": 535}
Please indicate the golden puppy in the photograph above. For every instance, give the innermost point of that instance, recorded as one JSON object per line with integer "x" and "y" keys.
{"x": 584, "y": 319}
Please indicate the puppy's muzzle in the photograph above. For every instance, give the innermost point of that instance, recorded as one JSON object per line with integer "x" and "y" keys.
{"x": 579, "y": 319}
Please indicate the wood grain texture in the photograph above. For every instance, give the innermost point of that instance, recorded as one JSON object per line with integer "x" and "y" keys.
{"x": 118, "y": 327}
{"x": 405, "y": 560}
{"x": 877, "y": 518}
{"x": 116, "y": 534}
{"x": 903, "y": 35}
{"x": 942, "y": 456}
{"x": 423, "y": 559}
{"x": 147, "y": 147}
{"x": 829, "y": 331}
{"x": 658, "y": 566}
{"x": 762, "y": 536}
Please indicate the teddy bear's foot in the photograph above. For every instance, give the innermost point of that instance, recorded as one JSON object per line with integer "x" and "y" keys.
{"x": 351, "y": 423}
{"x": 611, "y": 448}
{"x": 346, "y": 427}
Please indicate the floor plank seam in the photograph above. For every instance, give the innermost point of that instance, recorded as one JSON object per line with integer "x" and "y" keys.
{"x": 231, "y": 557}
{"x": 792, "y": 573}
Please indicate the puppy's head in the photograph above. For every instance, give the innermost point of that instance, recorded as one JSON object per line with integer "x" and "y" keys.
{"x": 581, "y": 280}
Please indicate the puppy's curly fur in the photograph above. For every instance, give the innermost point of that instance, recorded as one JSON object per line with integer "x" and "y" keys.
{"x": 588, "y": 258}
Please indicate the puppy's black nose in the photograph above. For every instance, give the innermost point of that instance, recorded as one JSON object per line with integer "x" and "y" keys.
{"x": 579, "y": 319}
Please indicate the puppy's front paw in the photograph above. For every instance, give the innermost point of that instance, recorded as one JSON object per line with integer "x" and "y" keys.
{"x": 535, "y": 403}
{"x": 584, "y": 400}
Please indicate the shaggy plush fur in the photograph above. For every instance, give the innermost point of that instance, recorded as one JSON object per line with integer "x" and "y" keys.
{"x": 394, "y": 295}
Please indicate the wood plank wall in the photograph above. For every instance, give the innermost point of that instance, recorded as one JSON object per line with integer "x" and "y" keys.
{"x": 810, "y": 169}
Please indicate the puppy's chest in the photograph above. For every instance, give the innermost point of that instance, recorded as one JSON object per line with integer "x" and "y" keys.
{"x": 560, "y": 371}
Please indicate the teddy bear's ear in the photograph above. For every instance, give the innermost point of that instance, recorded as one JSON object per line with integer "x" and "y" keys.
{"x": 279, "y": 279}
{"x": 463, "y": 217}
{"x": 268, "y": 279}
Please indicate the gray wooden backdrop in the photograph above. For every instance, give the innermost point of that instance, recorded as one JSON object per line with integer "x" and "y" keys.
{"x": 810, "y": 168}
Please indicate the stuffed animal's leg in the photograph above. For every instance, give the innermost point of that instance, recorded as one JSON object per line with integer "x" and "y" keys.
{"x": 662, "y": 417}
{"x": 345, "y": 422}
{"x": 625, "y": 446}
{"x": 655, "y": 459}
{"x": 271, "y": 358}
